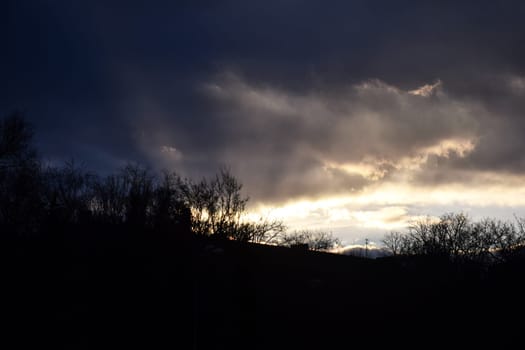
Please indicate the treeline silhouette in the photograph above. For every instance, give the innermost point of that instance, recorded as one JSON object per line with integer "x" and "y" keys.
{"x": 456, "y": 238}
{"x": 38, "y": 199}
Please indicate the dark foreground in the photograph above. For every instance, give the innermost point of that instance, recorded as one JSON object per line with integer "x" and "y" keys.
{"x": 149, "y": 291}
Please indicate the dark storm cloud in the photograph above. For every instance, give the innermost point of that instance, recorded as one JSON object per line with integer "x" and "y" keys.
{"x": 500, "y": 101}
{"x": 284, "y": 92}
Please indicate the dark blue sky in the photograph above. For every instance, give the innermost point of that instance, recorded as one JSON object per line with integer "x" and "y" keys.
{"x": 302, "y": 99}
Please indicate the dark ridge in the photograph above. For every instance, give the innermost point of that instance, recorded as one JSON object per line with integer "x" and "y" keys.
{"x": 144, "y": 290}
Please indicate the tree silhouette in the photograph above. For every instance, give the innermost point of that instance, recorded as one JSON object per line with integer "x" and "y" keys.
{"x": 456, "y": 238}
{"x": 394, "y": 242}
{"x": 16, "y": 136}
{"x": 314, "y": 240}
{"x": 168, "y": 211}
{"x": 68, "y": 193}
{"x": 109, "y": 204}
{"x": 20, "y": 178}
{"x": 138, "y": 196}
{"x": 263, "y": 231}
{"x": 218, "y": 208}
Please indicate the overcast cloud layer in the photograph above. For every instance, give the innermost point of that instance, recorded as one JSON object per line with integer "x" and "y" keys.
{"x": 304, "y": 100}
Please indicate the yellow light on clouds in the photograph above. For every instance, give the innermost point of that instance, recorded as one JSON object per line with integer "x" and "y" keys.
{"x": 386, "y": 206}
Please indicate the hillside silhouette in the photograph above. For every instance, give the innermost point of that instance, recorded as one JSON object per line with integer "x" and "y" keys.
{"x": 137, "y": 261}
{"x": 113, "y": 289}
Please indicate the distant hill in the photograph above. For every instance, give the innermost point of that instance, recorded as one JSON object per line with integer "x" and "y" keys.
{"x": 154, "y": 291}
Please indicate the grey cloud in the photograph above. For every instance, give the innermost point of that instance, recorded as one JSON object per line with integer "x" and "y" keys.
{"x": 373, "y": 122}
{"x": 285, "y": 144}
{"x": 499, "y": 102}
{"x": 369, "y": 119}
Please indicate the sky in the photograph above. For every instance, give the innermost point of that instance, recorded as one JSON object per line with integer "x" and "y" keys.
{"x": 354, "y": 117}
